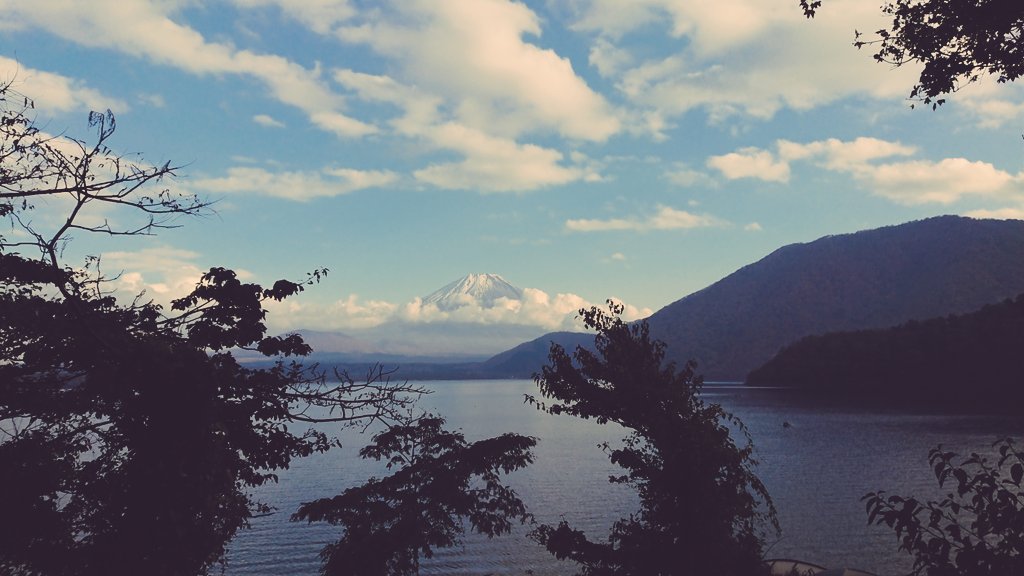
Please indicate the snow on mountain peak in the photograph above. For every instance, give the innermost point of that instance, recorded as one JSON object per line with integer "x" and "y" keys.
{"x": 480, "y": 289}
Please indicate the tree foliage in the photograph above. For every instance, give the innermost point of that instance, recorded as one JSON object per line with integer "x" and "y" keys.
{"x": 977, "y": 529}
{"x": 130, "y": 436}
{"x": 702, "y": 508}
{"x": 956, "y": 41}
{"x": 440, "y": 480}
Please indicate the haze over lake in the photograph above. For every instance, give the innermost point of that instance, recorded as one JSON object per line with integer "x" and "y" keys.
{"x": 816, "y": 470}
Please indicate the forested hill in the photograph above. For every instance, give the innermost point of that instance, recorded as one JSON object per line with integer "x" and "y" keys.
{"x": 967, "y": 358}
{"x": 870, "y": 279}
{"x": 526, "y": 359}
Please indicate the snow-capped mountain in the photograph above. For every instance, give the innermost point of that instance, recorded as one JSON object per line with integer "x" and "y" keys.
{"x": 480, "y": 289}
{"x": 474, "y": 317}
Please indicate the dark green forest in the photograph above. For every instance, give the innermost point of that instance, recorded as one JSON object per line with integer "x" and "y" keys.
{"x": 972, "y": 359}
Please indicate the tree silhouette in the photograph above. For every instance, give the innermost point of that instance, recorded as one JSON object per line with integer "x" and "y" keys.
{"x": 702, "y": 509}
{"x": 975, "y": 530}
{"x": 957, "y": 41}
{"x": 130, "y": 437}
{"x": 439, "y": 481}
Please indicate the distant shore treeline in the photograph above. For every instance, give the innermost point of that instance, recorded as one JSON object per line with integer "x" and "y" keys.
{"x": 975, "y": 358}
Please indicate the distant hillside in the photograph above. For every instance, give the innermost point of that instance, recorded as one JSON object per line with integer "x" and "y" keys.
{"x": 970, "y": 358}
{"x": 528, "y": 358}
{"x": 870, "y": 279}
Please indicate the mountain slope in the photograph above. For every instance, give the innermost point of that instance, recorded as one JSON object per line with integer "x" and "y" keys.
{"x": 526, "y": 359}
{"x": 869, "y": 279}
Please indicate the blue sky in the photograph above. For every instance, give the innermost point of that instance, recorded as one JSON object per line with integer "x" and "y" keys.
{"x": 583, "y": 149}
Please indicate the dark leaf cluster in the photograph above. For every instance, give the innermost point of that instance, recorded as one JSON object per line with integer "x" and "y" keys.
{"x": 131, "y": 438}
{"x": 223, "y": 312}
{"x": 977, "y": 529}
{"x": 128, "y": 448}
{"x": 137, "y": 444}
{"x": 955, "y": 41}
{"x": 440, "y": 481}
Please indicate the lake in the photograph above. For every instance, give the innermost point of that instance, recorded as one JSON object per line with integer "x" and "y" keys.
{"x": 816, "y": 470}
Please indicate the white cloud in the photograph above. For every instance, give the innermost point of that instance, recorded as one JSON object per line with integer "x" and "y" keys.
{"x": 470, "y": 84}
{"x": 421, "y": 109}
{"x": 685, "y": 176}
{"x": 609, "y": 59}
{"x": 737, "y": 57}
{"x": 942, "y": 182}
{"x": 909, "y": 181}
{"x": 495, "y": 164}
{"x": 613, "y": 19}
{"x": 712, "y": 27}
{"x": 268, "y": 121}
{"x": 491, "y": 163}
{"x": 751, "y": 163}
{"x": 321, "y": 16}
{"x": 753, "y": 227}
{"x": 55, "y": 92}
{"x": 996, "y": 112}
{"x": 154, "y": 100}
{"x": 906, "y": 182}
{"x": 379, "y": 88}
{"x": 351, "y": 314}
{"x": 618, "y": 256}
{"x": 989, "y": 103}
{"x": 161, "y": 274}
{"x": 850, "y": 156}
{"x": 998, "y": 214}
{"x": 536, "y": 308}
{"x": 472, "y": 54}
{"x": 341, "y": 124}
{"x": 294, "y": 185}
{"x": 146, "y": 29}
{"x": 666, "y": 218}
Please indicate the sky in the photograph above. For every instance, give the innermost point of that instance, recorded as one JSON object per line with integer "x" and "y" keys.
{"x": 582, "y": 149}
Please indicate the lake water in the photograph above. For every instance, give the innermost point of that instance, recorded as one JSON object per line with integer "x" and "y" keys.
{"x": 816, "y": 470}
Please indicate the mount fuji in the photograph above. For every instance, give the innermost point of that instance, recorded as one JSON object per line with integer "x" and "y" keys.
{"x": 469, "y": 319}
{"x": 483, "y": 290}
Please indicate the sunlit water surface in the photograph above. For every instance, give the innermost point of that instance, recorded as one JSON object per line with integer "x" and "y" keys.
{"x": 816, "y": 470}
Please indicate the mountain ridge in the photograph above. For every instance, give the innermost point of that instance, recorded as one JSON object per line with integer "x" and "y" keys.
{"x": 868, "y": 279}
